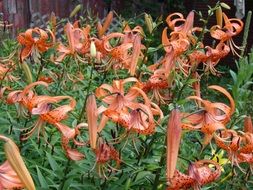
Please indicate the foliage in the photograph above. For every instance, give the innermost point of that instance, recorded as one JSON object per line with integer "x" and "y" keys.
{"x": 92, "y": 109}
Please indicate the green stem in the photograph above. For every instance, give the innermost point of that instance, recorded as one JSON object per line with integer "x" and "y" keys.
{"x": 66, "y": 170}
{"x": 40, "y": 69}
{"x": 145, "y": 55}
{"x": 5, "y": 74}
{"x": 58, "y": 87}
{"x": 161, "y": 164}
{"x": 184, "y": 85}
{"x": 87, "y": 93}
{"x": 246, "y": 32}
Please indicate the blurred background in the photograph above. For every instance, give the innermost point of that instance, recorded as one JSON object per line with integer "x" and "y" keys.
{"x": 24, "y": 14}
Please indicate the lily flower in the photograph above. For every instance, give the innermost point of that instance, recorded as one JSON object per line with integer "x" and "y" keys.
{"x": 231, "y": 28}
{"x": 115, "y": 96}
{"x": 9, "y": 178}
{"x": 5, "y": 71}
{"x": 78, "y": 42}
{"x": 199, "y": 174}
{"x": 104, "y": 155}
{"x": 125, "y": 53}
{"x": 179, "y": 41}
{"x": 138, "y": 119}
{"x": 68, "y": 134}
{"x": 158, "y": 84}
{"x": 42, "y": 105}
{"x": 174, "y": 47}
{"x": 34, "y": 41}
{"x": 213, "y": 56}
{"x": 177, "y": 23}
{"x": 211, "y": 117}
{"x": 230, "y": 141}
{"x": 125, "y": 109}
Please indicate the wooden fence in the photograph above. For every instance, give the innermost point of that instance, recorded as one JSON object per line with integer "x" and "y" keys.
{"x": 30, "y": 13}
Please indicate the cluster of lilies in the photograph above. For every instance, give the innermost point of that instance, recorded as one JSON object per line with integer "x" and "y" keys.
{"x": 134, "y": 102}
{"x": 32, "y": 104}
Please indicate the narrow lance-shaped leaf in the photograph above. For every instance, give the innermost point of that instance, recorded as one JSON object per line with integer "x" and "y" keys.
{"x": 173, "y": 141}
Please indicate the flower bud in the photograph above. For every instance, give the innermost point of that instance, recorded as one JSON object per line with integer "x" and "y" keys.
{"x": 218, "y": 13}
{"x": 174, "y": 131}
{"x": 15, "y": 160}
{"x": 149, "y": 22}
{"x": 75, "y": 11}
{"x": 248, "y": 127}
{"x": 225, "y": 6}
{"x": 27, "y": 72}
{"x": 91, "y": 110}
{"x": 93, "y": 51}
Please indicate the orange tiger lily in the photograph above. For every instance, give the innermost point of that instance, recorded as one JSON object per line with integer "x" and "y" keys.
{"x": 5, "y": 71}
{"x": 68, "y": 134}
{"x": 126, "y": 53}
{"x": 33, "y": 44}
{"x": 9, "y": 178}
{"x": 179, "y": 41}
{"x": 125, "y": 109}
{"x": 134, "y": 36}
{"x": 174, "y": 47}
{"x": 139, "y": 119}
{"x": 199, "y": 174}
{"x": 208, "y": 56}
{"x": 78, "y": 42}
{"x": 104, "y": 155}
{"x": 158, "y": 84}
{"x": 229, "y": 140}
{"x": 115, "y": 96}
{"x": 40, "y": 105}
{"x": 212, "y": 117}
{"x": 213, "y": 56}
{"x": 231, "y": 28}
{"x": 238, "y": 147}
{"x": 184, "y": 26}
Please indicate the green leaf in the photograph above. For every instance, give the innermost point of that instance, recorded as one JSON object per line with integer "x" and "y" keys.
{"x": 41, "y": 178}
{"x": 154, "y": 49}
{"x": 141, "y": 175}
{"x": 52, "y": 162}
{"x": 233, "y": 74}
